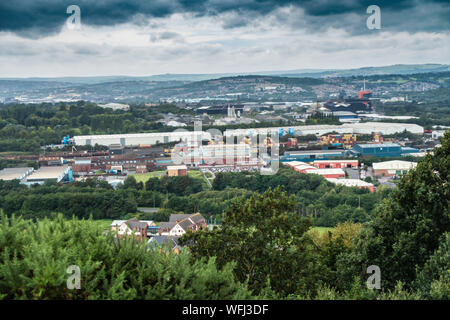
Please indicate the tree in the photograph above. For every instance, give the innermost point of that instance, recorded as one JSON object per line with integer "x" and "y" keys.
{"x": 433, "y": 280}
{"x": 265, "y": 238}
{"x": 34, "y": 257}
{"x": 411, "y": 222}
{"x": 131, "y": 183}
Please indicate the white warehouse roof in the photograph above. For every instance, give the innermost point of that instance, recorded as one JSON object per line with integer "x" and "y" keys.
{"x": 162, "y": 137}
{"x": 394, "y": 165}
{"x": 48, "y": 173}
{"x": 15, "y": 173}
{"x": 350, "y": 182}
{"x": 327, "y": 171}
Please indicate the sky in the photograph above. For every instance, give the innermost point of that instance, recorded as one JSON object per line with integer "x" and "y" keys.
{"x": 138, "y": 38}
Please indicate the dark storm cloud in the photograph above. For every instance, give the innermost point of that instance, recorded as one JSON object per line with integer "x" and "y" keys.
{"x": 32, "y": 18}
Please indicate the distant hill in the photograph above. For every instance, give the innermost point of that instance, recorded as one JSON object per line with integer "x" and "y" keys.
{"x": 299, "y": 73}
{"x": 368, "y": 71}
{"x": 248, "y": 87}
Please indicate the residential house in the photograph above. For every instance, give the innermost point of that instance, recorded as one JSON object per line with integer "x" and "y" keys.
{"x": 131, "y": 226}
{"x": 166, "y": 242}
{"x": 179, "y": 224}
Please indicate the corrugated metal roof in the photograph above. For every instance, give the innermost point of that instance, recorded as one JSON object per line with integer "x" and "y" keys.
{"x": 394, "y": 165}
{"x": 378, "y": 145}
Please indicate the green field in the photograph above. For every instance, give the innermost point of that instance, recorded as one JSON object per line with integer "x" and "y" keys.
{"x": 195, "y": 174}
{"x": 143, "y": 177}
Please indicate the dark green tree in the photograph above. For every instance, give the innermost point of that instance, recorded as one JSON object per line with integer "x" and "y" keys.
{"x": 411, "y": 222}
{"x": 266, "y": 239}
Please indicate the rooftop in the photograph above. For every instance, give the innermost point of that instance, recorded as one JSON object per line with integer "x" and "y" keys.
{"x": 314, "y": 152}
{"x": 334, "y": 161}
{"x": 350, "y": 182}
{"x": 378, "y": 145}
{"x": 394, "y": 164}
{"x": 45, "y": 173}
{"x": 327, "y": 171}
{"x": 182, "y": 167}
{"x": 14, "y": 173}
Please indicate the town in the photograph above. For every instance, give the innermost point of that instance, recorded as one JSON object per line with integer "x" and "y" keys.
{"x": 214, "y": 152}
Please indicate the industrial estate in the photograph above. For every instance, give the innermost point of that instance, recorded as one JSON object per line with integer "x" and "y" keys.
{"x": 235, "y": 178}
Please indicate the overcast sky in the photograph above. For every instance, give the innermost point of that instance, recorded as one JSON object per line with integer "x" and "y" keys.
{"x": 138, "y": 37}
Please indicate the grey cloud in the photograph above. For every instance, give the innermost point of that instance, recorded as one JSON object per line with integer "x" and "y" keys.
{"x": 17, "y": 49}
{"x": 35, "y": 19}
{"x": 167, "y": 35}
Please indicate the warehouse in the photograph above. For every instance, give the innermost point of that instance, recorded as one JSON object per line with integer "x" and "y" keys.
{"x": 212, "y": 154}
{"x": 82, "y": 165}
{"x": 136, "y": 139}
{"x": 407, "y": 151}
{"x": 346, "y": 116}
{"x": 311, "y": 155}
{"x": 353, "y": 183}
{"x": 9, "y": 174}
{"x": 306, "y": 168}
{"x": 303, "y": 168}
{"x": 293, "y": 164}
{"x": 377, "y": 150}
{"x": 165, "y": 137}
{"x": 392, "y": 168}
{"x": 328, "y": 173}
{"x": 54, "y": 173}
{"x": 383, "y": 128}
{"x": 319, "y": 130}
{"x": 323, "y": 164}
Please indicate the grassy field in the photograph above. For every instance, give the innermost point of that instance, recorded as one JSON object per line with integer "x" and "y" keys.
{"x": 195, "y": 174}
{"x": 143, "y": 177}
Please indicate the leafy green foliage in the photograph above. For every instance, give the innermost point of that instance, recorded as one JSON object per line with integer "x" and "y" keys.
{"x": 34, "y": 258}
{"x": 263, "y": 236}
{"x": 433, "y": 280}
{"x": 411, "y": 222}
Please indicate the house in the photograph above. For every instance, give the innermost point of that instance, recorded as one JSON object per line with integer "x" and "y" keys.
{"x": 131, "y": 226}
{"x": 179, "y": 224}
{"x": 176, "y": 171}
{"x": 164, "y": 241}
{"x": 392, "y": 168}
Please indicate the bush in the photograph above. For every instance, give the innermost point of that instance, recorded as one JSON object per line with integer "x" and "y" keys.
{"x": 34, "y": 258}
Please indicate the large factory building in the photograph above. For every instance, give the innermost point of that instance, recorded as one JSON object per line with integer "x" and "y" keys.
{"x": 381, "y": 150}
{"x": 165, "y": 137}
{"x": 135, "y": 139}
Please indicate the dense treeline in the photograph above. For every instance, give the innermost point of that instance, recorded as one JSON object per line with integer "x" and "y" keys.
{"x": 26, "y": 127}
{"x": 81, "y": 199}
{"x": 327, "y": 203}
{"x": 34, "y": 258}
